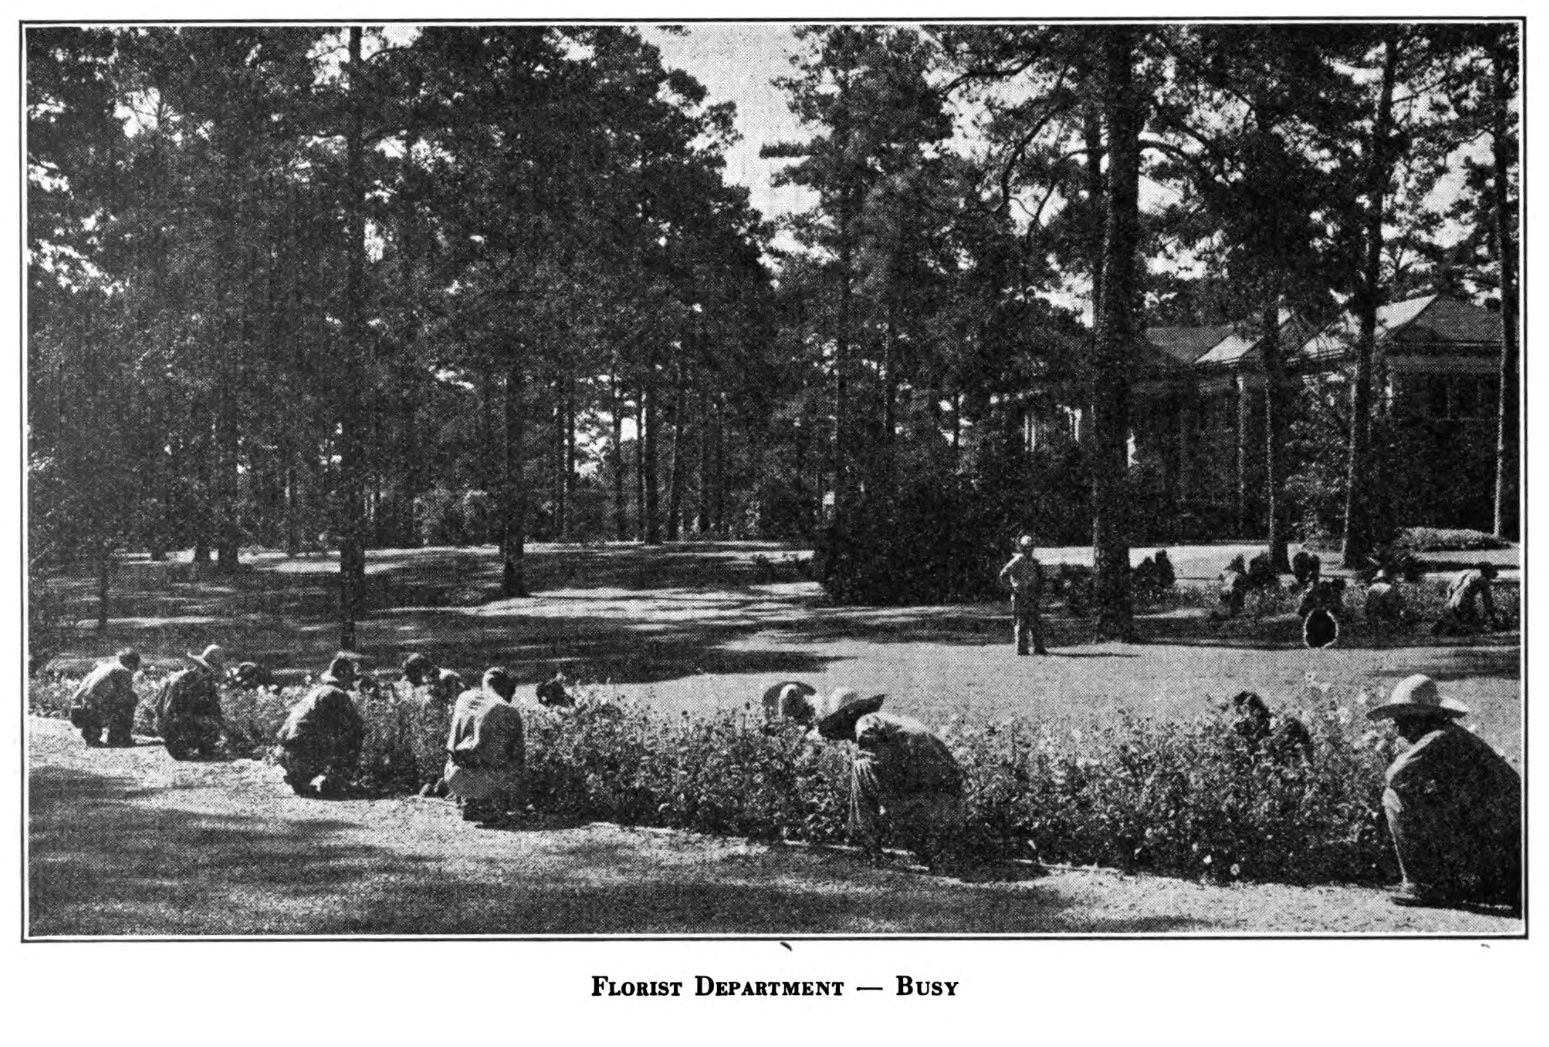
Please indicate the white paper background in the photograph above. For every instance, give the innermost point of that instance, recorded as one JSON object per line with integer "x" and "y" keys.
{"x": 1061, "y": 991}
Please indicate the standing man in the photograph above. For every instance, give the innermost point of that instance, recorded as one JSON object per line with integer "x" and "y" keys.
{"x": 321, "y": 739}
{"x": 486, "y": 755}
{"x": 188, "y": 709}
{"x": 106, "y": 698}
{"x": 1024, "y": 575}
{"x": 438, "y": 688}
{"x": 1453, "y": 804}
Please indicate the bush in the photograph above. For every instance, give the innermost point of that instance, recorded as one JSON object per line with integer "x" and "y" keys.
{"x": 1445, "y": 539}
{"x": 1185, "y": 799}
{"x": 932, "y": 541}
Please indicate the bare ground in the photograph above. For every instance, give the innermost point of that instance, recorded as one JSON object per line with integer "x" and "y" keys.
{"x": 129, "y": 842}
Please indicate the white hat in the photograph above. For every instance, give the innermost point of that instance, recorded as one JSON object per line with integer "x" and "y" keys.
{"x": 1417, "y": 695}
{"x": 212, "y": 658}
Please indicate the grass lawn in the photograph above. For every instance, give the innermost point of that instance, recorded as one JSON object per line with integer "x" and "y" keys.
{"x": 128, "y": 842}
{"x": 698, "y": 625}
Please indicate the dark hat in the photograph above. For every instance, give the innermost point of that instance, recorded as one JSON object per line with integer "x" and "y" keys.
{"x": 498, "y": 680}
{"x": 341, "y": 671}
{"x": 843, "y": 708}
{"x": 417, "y": 665}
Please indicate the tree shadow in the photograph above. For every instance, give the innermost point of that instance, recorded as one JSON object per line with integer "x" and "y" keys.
{"x": 101, "y": 865}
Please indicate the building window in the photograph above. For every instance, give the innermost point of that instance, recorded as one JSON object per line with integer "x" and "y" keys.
{"x": 1464, "y": 397}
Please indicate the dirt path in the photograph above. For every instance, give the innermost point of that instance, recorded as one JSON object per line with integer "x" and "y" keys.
{"x": 130, "y": 842}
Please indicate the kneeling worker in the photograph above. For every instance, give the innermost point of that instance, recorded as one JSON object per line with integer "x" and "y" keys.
{"x": 321, "y": 739}
{"x": 188, "y": 709}
{"x": 106, "y": 698}
{"x": 1453, "y": 804}
{"x": 486, "y": 755}
{"x": 905, "y": 784}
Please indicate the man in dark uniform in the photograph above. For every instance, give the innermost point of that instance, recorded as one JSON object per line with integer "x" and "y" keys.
{"x": 321, "y": 739}
{"x": 1453, "y": 804}
{"x": 106, "y": 698}
{"x": 188, "y": 709}
{"x": 438, "y": 689}
{"x": 1024, "y": 575}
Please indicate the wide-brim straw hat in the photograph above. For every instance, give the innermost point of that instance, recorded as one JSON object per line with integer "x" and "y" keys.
{"x": 782, "y": 699}
{"x": 844, "y": 707}
{"x": 212, "y": 658}
{"x": 1418, "y": 695}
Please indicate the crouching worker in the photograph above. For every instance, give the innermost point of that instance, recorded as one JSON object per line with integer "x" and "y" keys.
{"x": 905, "y": 785}
{"x": 1285, "y": 740}
{"x": 438, "y": 689}
{"x": 321, "y": 739}
{"x": 106, "y": 699}
{"x": 1470, "y": 603}
{"x": 1453, "y": 805}
{"x": 790, "y": 700}
{"x": 486, "y": 756}
{"x": 188, "y": 709}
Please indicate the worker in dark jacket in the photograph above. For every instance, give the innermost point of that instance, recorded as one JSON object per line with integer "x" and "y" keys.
{"x": 437, "y": 689}
{"x": 1285, "y": 740}
{"x": 106, "y": 699}
{"x": 1453, "y": 805}
{"x": 486, "y": 754}
{"x": 905, "y": 784}
{"x": 1234, "y": 586}
{"x": 321, "y": 739}
{"x": 1023, "y": 575}
{"x": 188, "y": 709}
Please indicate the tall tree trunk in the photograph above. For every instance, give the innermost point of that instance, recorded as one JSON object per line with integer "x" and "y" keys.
{"x": 104, "y": 578}
{"x": 1116, "y": 330}
{"x": 1358, "y": 523}
{"x": 653, "y": 523}
{"x": 351, "y": 539}
{"x": 702, "y": 439}
{"x": 1277, "y": 401}
{"x": 557, "y": 470}
{"x": 570, "y": 507}
{"x": 675, "y": 467}
{"x": 616, "y": 455}
{"x": 513, "y": 518}
{"x": 889, "y": 390}
{"x": 640, "y": 420}
{"x": 843, "y": 467}
{"x": 1507, "y": 456}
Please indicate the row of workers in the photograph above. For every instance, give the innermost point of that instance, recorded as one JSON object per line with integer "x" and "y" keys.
{"x": 1452, "y": 804}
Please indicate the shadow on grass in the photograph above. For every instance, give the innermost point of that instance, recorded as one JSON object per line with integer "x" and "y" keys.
{"x": 101, "y": 866}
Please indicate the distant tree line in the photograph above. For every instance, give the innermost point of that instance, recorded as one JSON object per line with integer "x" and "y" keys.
{"x": 352, "y": 288}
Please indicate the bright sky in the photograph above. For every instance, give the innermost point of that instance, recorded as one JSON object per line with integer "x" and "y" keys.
{"x": 736, "y": 63}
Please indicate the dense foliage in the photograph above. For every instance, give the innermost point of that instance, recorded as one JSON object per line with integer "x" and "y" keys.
{"x": 1188, "y": 799}
{"x": 328, "y": 287}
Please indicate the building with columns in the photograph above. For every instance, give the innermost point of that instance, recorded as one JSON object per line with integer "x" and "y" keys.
{"x": 1197, "y": 410}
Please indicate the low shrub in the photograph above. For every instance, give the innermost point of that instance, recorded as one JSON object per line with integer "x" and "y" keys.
{"x": 1179, "y": 798}
{"x": 1448, "y": 539}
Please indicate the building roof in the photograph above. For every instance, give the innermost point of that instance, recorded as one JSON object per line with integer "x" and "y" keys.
{"x": 1187, "y": 344}
{"x": 1241, "y": 347}
{"x": 1422, "y": 326}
